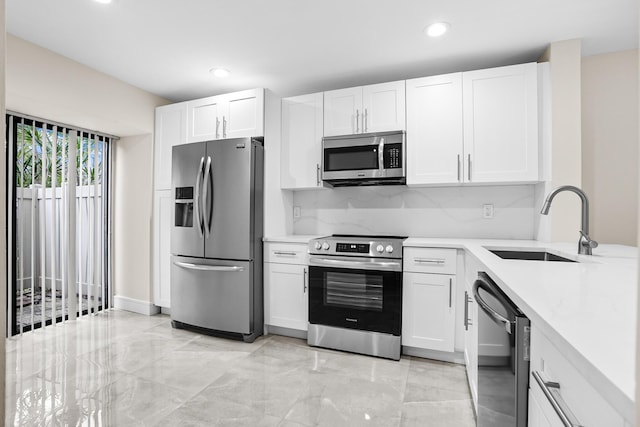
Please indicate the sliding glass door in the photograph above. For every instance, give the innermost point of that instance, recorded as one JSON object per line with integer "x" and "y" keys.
{"x": 59, "y": 246}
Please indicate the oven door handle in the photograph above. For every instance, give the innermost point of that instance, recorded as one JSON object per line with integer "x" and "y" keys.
{"x": 363, "y": 265}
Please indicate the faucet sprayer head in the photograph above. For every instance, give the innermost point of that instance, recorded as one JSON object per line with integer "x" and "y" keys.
{"x": 545, "y": 207}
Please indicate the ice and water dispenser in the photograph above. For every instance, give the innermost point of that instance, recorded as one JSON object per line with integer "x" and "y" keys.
{"x": 184, "y": 207}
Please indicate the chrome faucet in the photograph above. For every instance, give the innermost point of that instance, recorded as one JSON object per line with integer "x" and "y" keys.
{"x": 585, "y": 243}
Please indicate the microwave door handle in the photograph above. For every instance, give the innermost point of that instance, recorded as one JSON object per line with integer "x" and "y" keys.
{"x": 207, "y": 208}
{"x": 381, "y": 155}
{"x": 196, "y": 199}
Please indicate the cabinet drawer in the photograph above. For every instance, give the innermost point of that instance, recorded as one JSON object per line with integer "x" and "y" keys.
{"x": 286, "y": 253}
{"x": 430, "y": 260}
{"x": 578, "y": 396}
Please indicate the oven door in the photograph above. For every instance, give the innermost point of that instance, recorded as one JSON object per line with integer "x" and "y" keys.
{"x": 367, "y": 296}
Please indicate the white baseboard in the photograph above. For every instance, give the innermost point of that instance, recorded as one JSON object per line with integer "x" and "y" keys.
{"x": 134, "y": 305}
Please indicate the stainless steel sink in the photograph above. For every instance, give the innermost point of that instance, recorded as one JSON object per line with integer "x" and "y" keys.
{"x": 530, "y": 255}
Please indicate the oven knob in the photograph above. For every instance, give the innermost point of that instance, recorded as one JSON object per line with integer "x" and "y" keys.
{"x": 325, "y": 246}
{"x": 389, "y": 248}
{"x": 317, "y": 245}
{"x": 380, "y": 248}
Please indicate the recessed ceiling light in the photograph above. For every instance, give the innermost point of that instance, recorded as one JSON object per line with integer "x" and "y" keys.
{"x": 219, "y": 72}
{"x": 437, "y": 29}
{"x": 103, "y": 1}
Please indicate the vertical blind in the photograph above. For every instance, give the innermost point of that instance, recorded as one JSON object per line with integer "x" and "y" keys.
{"x": 60, "y": 251}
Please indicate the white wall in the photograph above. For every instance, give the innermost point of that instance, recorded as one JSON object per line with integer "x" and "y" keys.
{"x": 418, "y": 212}
{"x": 610, "y": 144}
{"x": 44, "y": 84}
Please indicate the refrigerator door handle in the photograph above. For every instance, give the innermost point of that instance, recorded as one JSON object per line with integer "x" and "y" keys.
{"x": 207, "y": 210}
{"x": 203, "y": 267}
{"x": 196, "y": 200}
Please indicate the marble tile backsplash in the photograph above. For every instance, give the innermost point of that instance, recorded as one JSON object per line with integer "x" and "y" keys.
{"x": 418, "y": 212}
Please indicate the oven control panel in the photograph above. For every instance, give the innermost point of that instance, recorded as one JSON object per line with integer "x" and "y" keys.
{"x": 360, "y": 248}
{"x": 357, "y": 246}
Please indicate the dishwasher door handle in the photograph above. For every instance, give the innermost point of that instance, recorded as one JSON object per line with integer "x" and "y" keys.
{"x": 495, "y": 316}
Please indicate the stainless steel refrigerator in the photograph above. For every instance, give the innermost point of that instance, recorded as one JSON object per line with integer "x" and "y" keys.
{"x": 216, "y": 237}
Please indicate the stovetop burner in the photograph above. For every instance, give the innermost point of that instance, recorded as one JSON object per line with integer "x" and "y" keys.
{"x": 366, "y": 236}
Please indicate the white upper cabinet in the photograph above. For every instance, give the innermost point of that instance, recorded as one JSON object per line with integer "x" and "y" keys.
{"x": 473, "y": 127}
{"x": 301, "y": 142}
{"x": 373, "y": 108}
{"x": 434, "y": 130}
{"x": 233, "y": 115}
{"x": 170, "y": 130}
{"x": 501, "y": 124}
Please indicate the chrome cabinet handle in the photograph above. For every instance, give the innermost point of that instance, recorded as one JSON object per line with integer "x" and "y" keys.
{"x": 318, "y": 174}
{"x": 551, "y": 391}
{"x": 428, "y": 261}
{"x": 224, "y": 127}
{"x": 217, "y": 127}
{"x": 357, "y": 121}
{"x": 366, "y": 120}
{"x": 304, "y": 281}
{"x": 458, "y": 175}
{"x": 287, "y": 253}
{"x": 450, "y": 290}
{"x": 206, "y": 220}
{"x": 381, "y": 155}
{"x": 467, "y": 320}
{"x": 469, "y": 168}
{"x": 466, "y": 311}
{"x": 196, "y": 200}
{"x": 203, "y": 267}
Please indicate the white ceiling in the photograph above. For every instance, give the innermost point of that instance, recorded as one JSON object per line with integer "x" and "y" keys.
{"x": 166, "y": 47}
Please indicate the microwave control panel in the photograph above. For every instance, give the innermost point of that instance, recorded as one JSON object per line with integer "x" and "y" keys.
{"x": 392, "y": 156}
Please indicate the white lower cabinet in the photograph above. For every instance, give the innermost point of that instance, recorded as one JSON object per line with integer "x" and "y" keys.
{"x": 428, "y": 299}
{"x": 162, "y": 206}
{"x": 286, "y": 285}
{"x": 428, "y": 314}
{"x": 577, "y": 398}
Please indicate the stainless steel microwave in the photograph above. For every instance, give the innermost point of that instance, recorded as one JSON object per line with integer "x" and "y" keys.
{"x": 364, "y": 159}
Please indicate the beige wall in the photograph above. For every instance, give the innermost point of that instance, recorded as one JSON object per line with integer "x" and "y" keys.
{"x": 566, "y": 165}
{"x": 3, "y": 218}
{"x": 610, "y": 144}
{"x": 44, "y": 84}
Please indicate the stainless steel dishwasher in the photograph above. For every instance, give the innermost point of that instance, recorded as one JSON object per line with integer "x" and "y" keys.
{"x": 503, "y": 365}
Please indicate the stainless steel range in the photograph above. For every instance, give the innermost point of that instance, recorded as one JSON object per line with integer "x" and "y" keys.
{"x": 355, "y": 294}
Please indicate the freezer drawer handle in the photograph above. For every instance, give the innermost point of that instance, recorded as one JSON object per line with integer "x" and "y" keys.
{"x": 203, "y": 267}
{"x": 551, "y": 391}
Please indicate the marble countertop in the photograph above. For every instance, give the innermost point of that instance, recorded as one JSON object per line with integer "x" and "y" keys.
{"x": 587, "y": 309}
{"x": 292, "y": 238}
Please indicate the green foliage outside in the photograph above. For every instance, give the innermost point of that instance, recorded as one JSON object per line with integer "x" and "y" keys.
{"x": 29, "y": 153}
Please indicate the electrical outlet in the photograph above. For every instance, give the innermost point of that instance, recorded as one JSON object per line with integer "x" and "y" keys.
{"x": 487, "y": 211}
{"x": 296, "y": 212}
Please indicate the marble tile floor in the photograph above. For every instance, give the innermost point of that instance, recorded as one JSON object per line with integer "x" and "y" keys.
{"x": 122, "y": 369}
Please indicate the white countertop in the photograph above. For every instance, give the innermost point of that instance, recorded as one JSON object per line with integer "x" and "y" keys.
{"x": 587, "y": 309}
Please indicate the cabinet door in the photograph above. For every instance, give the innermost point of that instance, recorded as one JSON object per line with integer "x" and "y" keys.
{"x": 162, "y": 205}
{"x": 343, "y": 111}
{"x": 471, "y": 342}
{"x": 205, "y": 119}
{"x": 501, "y": 124}
{"x": 384, "y": 107}
{"x": 428, "y": 313}
{"x": 170, "y": 130}
{"x": 301, "y": 142}
{"x": 287, "y": 290}
{"x": 434, "y": 130}
{"x": 243, "y": 114}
